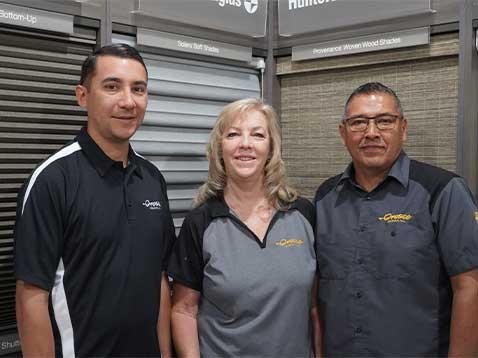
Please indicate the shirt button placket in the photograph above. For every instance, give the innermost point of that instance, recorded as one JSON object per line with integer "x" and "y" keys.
{"x": 128, "y": 203}
{"x": 358, "y": 300}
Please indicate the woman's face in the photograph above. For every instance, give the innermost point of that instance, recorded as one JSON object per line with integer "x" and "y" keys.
{"x": 246, "y": 147}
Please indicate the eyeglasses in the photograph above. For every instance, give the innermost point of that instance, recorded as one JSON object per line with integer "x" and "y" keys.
{"x": 383, "y": 122}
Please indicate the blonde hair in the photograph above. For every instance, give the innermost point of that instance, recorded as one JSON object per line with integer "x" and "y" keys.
{"x": 278, "y": 193}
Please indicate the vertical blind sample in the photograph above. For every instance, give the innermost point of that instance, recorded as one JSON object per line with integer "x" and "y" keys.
{"x": 313, "y": 95}
{"x": 39, "y": 114}
{"x": 185, "y": 98}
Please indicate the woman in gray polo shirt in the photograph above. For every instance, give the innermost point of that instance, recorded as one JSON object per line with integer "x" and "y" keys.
{"x": 244, "y": 263}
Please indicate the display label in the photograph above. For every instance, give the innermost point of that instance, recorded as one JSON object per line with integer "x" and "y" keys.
{"x": 194, "y": 45}
{"x": 37, "y": 19}
{"x": 9, "y": 343}
{"x": 378, "y": 42}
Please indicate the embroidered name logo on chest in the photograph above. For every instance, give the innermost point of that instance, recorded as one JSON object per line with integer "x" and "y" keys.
{"x": 290, "y": 242}
{"x": 396, "y": 218}
{"x": 152, "y": 205}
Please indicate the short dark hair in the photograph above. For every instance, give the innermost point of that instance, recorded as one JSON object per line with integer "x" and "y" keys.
{"x": 116, "y": 50}
{"x": 371, "y": 88}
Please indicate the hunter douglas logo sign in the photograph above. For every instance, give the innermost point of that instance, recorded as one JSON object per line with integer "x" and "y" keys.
{"x": 302, "y": 16}
{"x": 249, "y": 5}
{"x": 299, "y": 4}
{"x": 245, "y": 17}
{"x": 38, "y": 19}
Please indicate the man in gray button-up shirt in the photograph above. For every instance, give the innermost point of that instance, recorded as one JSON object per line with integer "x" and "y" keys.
{"x": 397, "y": 244}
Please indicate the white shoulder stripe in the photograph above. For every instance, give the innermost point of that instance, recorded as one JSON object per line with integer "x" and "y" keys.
{"x": 73, "y": 147}
{"x": 137, "y": 154}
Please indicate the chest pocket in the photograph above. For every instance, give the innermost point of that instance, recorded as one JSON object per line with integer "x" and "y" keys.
{"x": 334, "y": 257}
{"x": 399, "y": 250}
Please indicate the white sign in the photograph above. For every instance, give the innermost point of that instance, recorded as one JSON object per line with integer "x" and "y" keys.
{"x": 194, "y": 45}
{"x": 38, "y": 19}
{"x": 386, "y": 41}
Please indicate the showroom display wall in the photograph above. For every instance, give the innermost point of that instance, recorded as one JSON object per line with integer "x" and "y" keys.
{"x": 39, "y": 68}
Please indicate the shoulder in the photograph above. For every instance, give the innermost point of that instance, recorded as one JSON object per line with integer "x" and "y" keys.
{"x": 52, "y": 176}
{"x": 430, "y": 176}
{"x": 303, "y": 205}
{"x": 433, "y": 179}
{"x": 306, "y": 208}
{"x": 326, "y": 187}
{"x": 57, "y": 166}
{"x": 202, "y": 210}
{"x": 201, "y": 216}
{"x": 147, "y": 165}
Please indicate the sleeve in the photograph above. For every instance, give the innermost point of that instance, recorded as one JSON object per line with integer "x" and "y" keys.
{"x": 186, "y": 264}
{"x": 39, "y": 229}
{"x": 455, "y": 216}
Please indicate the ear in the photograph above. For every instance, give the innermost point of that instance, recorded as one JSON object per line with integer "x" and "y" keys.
{"x": 81, "y": 92}
{"x": 342, "y": 132}
{"x": 404, "y": 129}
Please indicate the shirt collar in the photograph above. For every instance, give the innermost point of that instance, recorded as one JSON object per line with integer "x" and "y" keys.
{"x": 99, "y": 159}
{"x": 399, "y": 171}
{"x": 219, "y": 207}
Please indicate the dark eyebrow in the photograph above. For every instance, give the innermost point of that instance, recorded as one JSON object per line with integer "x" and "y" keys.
{"x": 142, "y": 83}
{"x": 117, "y": 80}
{"x": 111, "y": 79}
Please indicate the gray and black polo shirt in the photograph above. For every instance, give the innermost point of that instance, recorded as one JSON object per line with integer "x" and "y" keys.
{"x": 386, "y": 257}
{"x": 96, "y": 236}
{"x": 255, "y": 296}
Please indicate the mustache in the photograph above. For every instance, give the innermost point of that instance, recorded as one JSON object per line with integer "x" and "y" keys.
{"x": 370, "y": 143}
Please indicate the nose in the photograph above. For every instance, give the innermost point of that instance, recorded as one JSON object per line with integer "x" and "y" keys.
{"x": 127, "y": 100}
{"x": 372, "y": 130}
{"x": 245, "y": 141}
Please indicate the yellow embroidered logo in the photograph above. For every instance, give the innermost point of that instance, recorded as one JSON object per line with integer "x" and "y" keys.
{"x": 476, "y": 215}
{"x": 395, "y": 218}
{"x": 290, "y": 242}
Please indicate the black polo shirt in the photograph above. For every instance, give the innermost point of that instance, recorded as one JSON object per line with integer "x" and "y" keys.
{"x": 386, "y": 257}
{"x": 96, "y": 236}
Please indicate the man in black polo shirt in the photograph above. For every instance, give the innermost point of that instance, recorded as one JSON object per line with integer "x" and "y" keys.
{"x": 94, "y": 229}
{"x": 397, "y": 244}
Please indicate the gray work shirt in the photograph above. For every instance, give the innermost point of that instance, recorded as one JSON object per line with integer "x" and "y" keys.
{"x": 255, "y": 296}
{"x": 385, "y": 259}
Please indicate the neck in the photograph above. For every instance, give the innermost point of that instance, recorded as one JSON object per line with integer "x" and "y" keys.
{"x": 369, "y": 179}
{"x": 244, "y": 193}
{"x": 115, "y": 151}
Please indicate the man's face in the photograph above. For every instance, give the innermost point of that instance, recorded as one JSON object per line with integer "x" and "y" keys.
{"x": 373, "y": 149}
{"x": 115, "y": 98}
